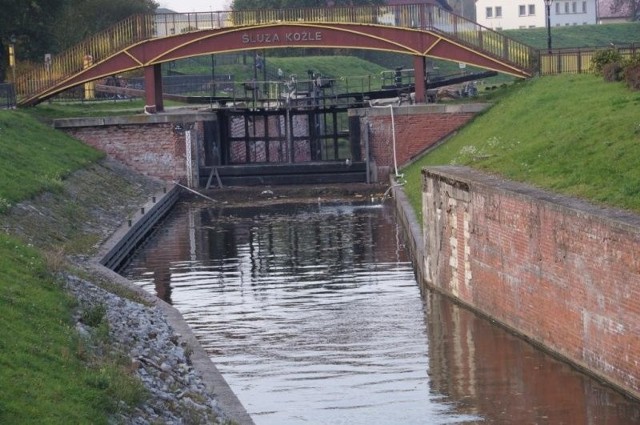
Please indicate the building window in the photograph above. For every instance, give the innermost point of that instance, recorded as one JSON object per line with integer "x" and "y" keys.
{"x": 498, "y": 11}
{"x": 557, "y": 8}
{"x": 522, "y": 10}
{"x": 574, "y": 7}
{"x": 566, "y": 7}
{"x": 584, "y": 7}
{"x": 489, "y": 12}
{"x": 532, "y": 9}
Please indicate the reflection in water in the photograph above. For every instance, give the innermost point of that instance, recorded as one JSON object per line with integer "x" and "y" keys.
{"x": 313, "y": 315}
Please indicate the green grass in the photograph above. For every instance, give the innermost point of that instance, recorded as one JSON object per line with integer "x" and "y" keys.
{"x": 579, "y": 35}
{"x": 333, "y": 66}
{"x": 48, "y": 375}
{"x": 573, "y": 134}
{"x": 34, "y": 158}
{"x": 47, "y": 112}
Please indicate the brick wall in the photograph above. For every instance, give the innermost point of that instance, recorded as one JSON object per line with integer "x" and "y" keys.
{"x": 152, "y": 145}
{"x": 417, "y": 128}
{"x": 559, "y": 271}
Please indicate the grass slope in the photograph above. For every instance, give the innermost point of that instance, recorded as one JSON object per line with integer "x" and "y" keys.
{"x": 48, "y": 374}
{"x": 34, "y": 158}
{"x": 573, "y": 134}
{"x": 333, "y": 66}
{"x": 579, "y": 35}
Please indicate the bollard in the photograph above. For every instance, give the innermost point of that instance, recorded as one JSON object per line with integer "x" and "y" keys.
{"x": 142, "y": 210}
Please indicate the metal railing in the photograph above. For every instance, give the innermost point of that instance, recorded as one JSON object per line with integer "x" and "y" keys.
{"x": 83, "y": 55}
{"x": 577, "y": 61}
{"x": 7, "y": 96}
{"x": 142, "y": 27}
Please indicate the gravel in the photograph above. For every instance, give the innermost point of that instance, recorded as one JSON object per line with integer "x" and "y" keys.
{"x": 176, "y": 392}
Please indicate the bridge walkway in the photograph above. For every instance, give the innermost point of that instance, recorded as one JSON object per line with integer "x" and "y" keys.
{"x": 146, "y": 41}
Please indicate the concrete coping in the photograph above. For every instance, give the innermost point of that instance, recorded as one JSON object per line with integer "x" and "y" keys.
{"x": 470, "y": 177}
{"x": 430, "y": 108}
{"x": 177, "y": 117}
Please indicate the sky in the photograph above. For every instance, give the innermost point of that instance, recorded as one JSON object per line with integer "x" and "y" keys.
{"x": 184, "y": 6}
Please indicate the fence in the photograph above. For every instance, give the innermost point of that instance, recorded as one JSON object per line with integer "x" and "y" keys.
{"x": 7, "y": 96}
{"x": 577, "y": 61}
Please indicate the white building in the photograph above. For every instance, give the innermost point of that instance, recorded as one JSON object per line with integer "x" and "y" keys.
{"x": 519, "y": 14}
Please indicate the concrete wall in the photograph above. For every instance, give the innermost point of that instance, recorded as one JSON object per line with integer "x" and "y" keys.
{"x": 417, "y": 128}
{"x": 558, "y": 271}
{"x": 153, "y": 145}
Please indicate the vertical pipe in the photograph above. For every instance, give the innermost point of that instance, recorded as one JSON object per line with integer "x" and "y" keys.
{"x": 187, "y": 143}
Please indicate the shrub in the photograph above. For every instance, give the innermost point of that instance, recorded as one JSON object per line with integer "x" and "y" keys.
{"x": 603, "y": 57}
{"x": 632, "y": 76}
{"x": 612, "y": 71}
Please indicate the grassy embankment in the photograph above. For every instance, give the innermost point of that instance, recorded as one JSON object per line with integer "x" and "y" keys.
{"x": 48, "y": 373}
{"x": 333, "y": 66}
{"x": 573, "y": 134}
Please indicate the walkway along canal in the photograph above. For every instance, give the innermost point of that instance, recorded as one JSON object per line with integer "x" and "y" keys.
{"x": 313, "y": 315}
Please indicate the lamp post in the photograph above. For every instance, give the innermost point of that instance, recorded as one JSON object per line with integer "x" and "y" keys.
{"x": 12, "y": 55}
{"x": 547, "y": 4}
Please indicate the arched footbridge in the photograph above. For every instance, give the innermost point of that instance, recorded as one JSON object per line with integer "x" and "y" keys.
{"x": 144, "y": 42}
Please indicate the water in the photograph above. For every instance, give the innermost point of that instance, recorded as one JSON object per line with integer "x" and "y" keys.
{"x": 313, "y": 315}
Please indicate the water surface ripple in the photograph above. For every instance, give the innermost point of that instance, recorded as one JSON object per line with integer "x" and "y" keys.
{"x": 313, "y": 315}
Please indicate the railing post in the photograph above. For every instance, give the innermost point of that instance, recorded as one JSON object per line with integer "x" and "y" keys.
{"x": 421, "y": 16}
{"x": 579, "y": 59}
{"x": 153, "y": 89}
{"x": 505, "y": 48}
{"x": 419, "y": 77}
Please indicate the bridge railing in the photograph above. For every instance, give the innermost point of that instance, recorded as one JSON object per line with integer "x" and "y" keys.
{"x": 142, "y": 27}
{"x": 92, "y": 50}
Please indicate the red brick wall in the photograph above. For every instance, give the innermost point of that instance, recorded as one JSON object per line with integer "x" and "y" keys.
{"x": 559, "y": 271}
{"x": 155, "y": 149}
{"x": 417, "y": 128}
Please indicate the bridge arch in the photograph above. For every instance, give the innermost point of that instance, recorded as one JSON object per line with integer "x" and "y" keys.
{"x": 420, "y": 39}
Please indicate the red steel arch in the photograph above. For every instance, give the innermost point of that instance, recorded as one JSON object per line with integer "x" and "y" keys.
{"x": 150, "y": 54}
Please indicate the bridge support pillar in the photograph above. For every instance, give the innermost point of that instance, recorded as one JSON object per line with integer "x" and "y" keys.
{"x": 153, "y": 89}
{"x": 420, "y": 78}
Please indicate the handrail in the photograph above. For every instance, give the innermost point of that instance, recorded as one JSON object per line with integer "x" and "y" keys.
{"x": 138, "y": 28}
{"x": 92, "y": 50}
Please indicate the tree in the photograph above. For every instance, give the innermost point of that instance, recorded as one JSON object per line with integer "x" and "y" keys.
{"x": 30, "y": 22}
{"x": 82, "y": 18}
{"x": 50, "y": 26}
{"x": 630, "y": 7}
